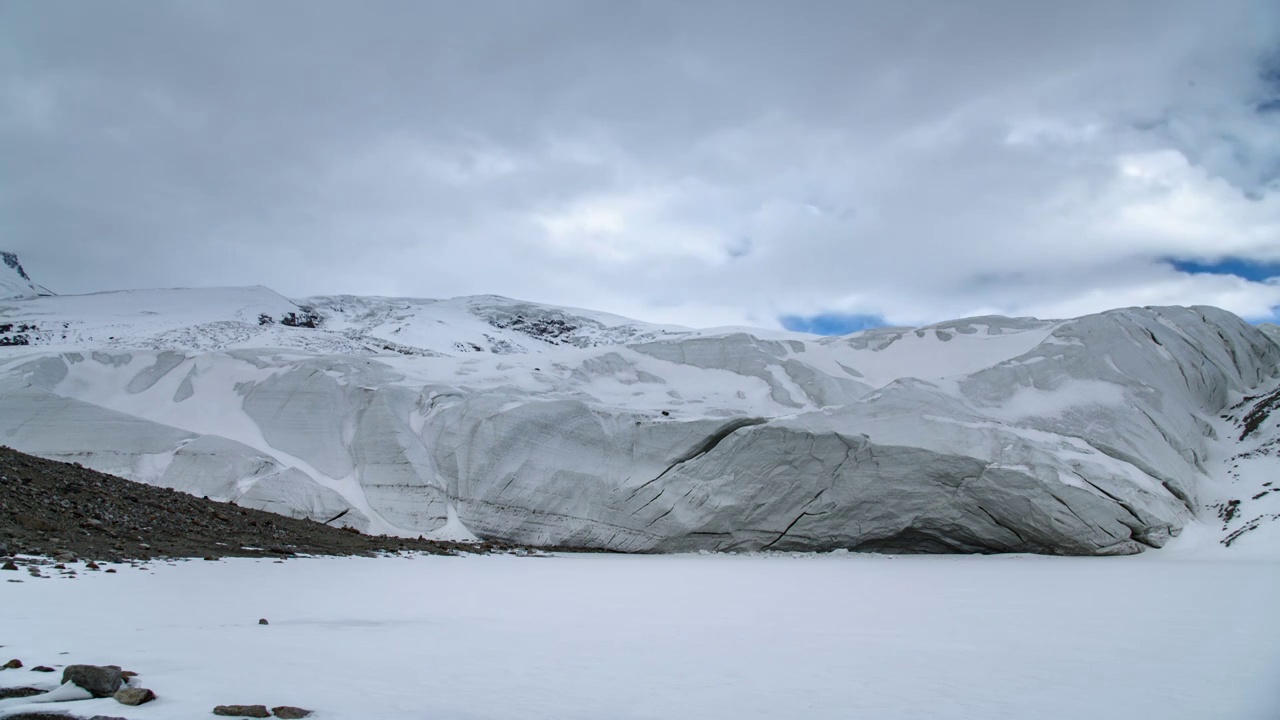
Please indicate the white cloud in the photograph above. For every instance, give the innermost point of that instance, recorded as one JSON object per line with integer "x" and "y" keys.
{"x": 706, "y": 164}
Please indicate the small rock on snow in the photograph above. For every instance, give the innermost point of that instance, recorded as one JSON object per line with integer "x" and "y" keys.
{"x": 289, "y": 712}
{"x": 19, "y": 692}
{"x": 256, "y": 711}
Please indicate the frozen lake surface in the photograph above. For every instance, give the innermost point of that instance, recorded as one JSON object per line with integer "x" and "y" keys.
{"x": 598, "y": 637}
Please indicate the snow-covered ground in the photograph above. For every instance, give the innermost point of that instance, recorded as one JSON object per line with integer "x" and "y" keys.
{"x": 1171, "y": 635}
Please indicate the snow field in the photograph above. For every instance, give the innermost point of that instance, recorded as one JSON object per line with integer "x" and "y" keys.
{"x": 665, "y": 637}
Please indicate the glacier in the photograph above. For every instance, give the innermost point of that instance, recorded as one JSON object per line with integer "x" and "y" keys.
{"x": 495, "y": 418}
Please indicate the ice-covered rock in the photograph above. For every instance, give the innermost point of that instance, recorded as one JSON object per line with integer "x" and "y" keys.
{"x": 1271, "y": 330}
{"x": 565, "y": 427}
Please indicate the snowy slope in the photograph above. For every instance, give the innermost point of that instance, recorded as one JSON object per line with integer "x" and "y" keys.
{"x": 14, "y": 281}
{"x": 546, "y": 425}
{"x": 478, "y": 324}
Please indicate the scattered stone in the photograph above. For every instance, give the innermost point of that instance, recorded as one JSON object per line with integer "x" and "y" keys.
{"x": 91, "y": 565}
{"x": 134, "y": 696}
{"x": 263, "y": 621}
{"x": 110, "y": 570}
{"x": 8, "y": 566}
{"x": 13, "y": 664}
{"x": 127, "y": 674}
{"x": 256, "y": 711}
{"x": 42, "y": 668}
{"x": 101, "y": 680}
{"x": 59, "y": 566}
{"x": 289, "y": 712}
{"x": 106, "y": 717}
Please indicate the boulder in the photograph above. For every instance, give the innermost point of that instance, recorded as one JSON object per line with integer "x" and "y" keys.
{"x": 100, "y": 680}
{"x": 134, "y": 696}
{"x": 289, "y": 712}
{"x": 13, "y": 664}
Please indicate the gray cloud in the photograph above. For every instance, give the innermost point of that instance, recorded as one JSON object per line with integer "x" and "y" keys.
{"x": 704, "y": 163}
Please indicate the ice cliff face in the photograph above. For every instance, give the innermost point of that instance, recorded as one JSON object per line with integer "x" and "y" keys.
{"x": 554, "y": 426}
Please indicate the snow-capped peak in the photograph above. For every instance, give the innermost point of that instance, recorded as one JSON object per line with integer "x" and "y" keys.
{"x": 14, "y": 281}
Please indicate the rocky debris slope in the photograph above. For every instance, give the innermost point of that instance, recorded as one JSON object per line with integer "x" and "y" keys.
{"x": 1248, "y": 503}
{"x": 62, "y": 510}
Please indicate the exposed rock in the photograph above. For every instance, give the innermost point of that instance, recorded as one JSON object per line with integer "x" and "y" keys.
{"x": 9, "y": 565}
{"x": 253, "y": 711}
{"x": 13, "y": 664}
{"x": 19, "y": 692}
{"x": 101, "y": 680}
{"x": 42, "y": 668}
{"x": 288, "y": 712}
{"x": 134, "y": 696}
{"x": 263, "y": 621}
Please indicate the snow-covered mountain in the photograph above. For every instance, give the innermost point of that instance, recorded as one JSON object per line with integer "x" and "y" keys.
{"x": 14, "y": 281}
{"x": 543, "y": 425}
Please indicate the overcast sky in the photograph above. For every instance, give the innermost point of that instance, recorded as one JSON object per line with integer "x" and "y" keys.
{"x": 705, "y": 162}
